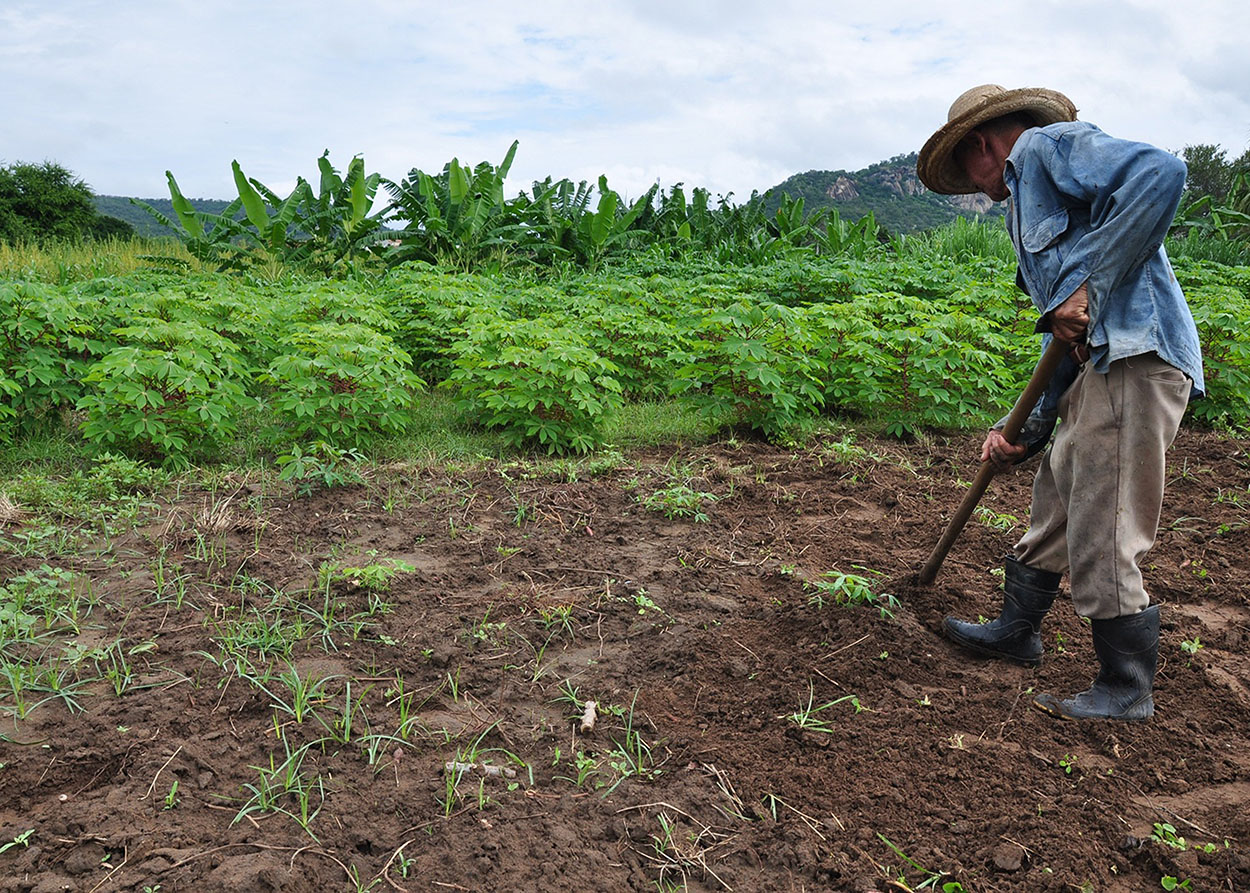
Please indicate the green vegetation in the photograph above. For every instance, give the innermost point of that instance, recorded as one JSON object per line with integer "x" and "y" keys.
{"x": 539, "y": 320}
{"x": 566, "y": 320}
{"x": 39, "y": 202}
{"x": 177, "y": 368}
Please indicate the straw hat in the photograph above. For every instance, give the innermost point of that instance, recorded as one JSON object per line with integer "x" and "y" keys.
{"x": 937, "y": 167}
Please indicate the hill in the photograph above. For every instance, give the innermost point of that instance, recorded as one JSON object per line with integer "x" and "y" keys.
{"x": 889, "y": 189}
{"x": 144, "y": 223}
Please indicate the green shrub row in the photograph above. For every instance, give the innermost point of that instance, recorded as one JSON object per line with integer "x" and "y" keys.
{"x": 167, "y": 367}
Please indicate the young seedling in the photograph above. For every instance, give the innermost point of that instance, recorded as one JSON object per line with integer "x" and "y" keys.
{"x": 996, "y": 520}
{"x": 850, "y": 590}
{"x": 809, "y": 718}
{"x": 373, "y": 578}
{"x": 281, "y": 780}
{"x": 931, "y": 878}
{"x": 1165, "y": 833}
{"x": 632, "y": 754}
{"x": 557, "y": 619}
{"x": 678, "y": 501}
{"x": 22, "y": 840}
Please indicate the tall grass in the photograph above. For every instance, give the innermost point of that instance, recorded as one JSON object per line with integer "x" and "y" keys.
{"x": 960, "y": 240}
{"x": 965, "y": 240}
{"x": 1197, "y": 245}
{"x": 60, "y": 263}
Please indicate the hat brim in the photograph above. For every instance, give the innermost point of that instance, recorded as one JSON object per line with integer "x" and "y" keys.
{"x": 937, "y": 167}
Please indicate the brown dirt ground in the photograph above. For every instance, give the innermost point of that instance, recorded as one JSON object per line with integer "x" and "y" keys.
{"x": 946, "y": 761}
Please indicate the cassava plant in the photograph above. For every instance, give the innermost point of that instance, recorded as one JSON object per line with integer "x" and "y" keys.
{"x": 536, "y": 381}
{"x": 170, "y": 389}
{"x": 47, "y": 339}
{"x": 755, "y": 360}
{"x": 341, "y": 383}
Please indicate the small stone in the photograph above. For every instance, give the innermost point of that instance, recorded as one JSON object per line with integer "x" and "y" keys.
{"x": 1008, "y": 857}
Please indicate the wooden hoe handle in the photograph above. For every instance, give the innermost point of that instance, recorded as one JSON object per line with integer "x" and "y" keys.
{"x": 1046, "y": 367}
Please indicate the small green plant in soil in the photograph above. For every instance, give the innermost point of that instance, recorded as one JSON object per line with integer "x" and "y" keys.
{"x": 996, "y": 520}
{"x": 22, "y": 840}
{"x": 643, "y": 602}
{"x": 632, "y": 754}
{"x": 1165, "y": 833}
{"x": 850, "y": 590}
{"x": 678, "y": 501}
{"x": 486, "y": 630}
{"x": 281, "y": 782}
{"x": 323, "y": 467}
{"x": 931, "y": 878}
{"x": 374, "y": 577}
{"x": 557, "y": 620}
{"x": 812, "y": 718}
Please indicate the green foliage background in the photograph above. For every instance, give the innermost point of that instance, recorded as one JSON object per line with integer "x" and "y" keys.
{"x": 543, "y": 314}
{"x": 46, "y": 201}
{"x": 168, "y": 367}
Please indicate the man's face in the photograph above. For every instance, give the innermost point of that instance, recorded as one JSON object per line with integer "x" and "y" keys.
{"x": 983, "y": 166}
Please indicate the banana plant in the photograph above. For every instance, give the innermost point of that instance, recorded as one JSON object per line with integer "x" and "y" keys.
{"x": 793, "y": 226}
{"x": 318, "y": 232}
{"x": 553, "y": 216}
{"x": 1229, "y": 220}
{"x": 333, "y": 226}
{"x": 599, "y": 232}
{"x": 841, "y": 237}
{"x": 453, "y": 217}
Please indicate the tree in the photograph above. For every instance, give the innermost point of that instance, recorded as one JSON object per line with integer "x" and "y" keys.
{"x": 1209, "y": 171}
{"x": 47, "y": 201}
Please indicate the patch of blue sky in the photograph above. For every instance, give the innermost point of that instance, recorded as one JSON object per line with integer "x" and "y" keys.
{"x": 913, "y": 30}
{"x": 531, "y": 108}
{"x": 936, "y": 63}
{"x": 537, "y": 37}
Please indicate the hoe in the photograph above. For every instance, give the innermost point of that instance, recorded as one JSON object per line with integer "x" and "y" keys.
{"x": 1046, "y": 367}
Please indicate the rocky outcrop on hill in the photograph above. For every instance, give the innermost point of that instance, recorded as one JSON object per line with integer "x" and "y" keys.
{"x": 842, "y": 190}
{"x": 890, "y": 190}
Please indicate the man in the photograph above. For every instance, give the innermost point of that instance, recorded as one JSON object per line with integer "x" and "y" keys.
{"x": 1087, "y": 215}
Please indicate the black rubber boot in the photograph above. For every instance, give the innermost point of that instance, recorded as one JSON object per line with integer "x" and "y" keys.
{"x": 1128, "y": 652}
{"x": 1016, "y": 634}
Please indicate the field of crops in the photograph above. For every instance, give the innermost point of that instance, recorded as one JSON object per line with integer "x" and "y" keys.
{"x": 251, "y": 639}
{"x": 171, "y": 367}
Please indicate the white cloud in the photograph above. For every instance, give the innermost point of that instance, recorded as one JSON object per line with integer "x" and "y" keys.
{"x": 732, "y": 95}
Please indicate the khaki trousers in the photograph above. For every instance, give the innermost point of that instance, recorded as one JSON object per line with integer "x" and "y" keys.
{"x": 1099, "y": 491}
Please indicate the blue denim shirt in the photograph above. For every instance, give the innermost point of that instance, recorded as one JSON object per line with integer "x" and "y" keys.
{"x": 1088, "y": 208}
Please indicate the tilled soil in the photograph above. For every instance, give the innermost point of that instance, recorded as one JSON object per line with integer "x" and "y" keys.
{"x": 752, "y": 733}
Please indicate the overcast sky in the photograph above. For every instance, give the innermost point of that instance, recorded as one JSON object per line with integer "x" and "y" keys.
{"x": 733, "y": 95}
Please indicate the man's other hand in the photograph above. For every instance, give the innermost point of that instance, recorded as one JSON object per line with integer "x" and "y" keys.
{"x": 1001, "y": 454}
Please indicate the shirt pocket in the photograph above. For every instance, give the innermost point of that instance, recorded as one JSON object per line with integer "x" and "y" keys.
{"x": 1042, "y": 254}
{"x": 1045, "y": 232}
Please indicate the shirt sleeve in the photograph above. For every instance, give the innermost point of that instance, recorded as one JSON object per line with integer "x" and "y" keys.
{"x": 1132, "y": 191}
